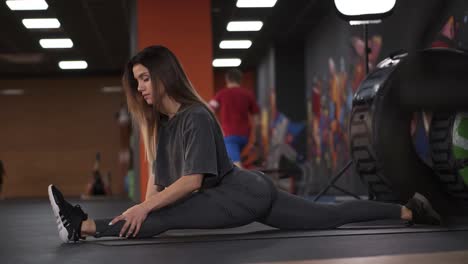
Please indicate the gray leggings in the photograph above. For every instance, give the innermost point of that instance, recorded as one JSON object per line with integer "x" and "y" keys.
{"x": 243, "y": 197}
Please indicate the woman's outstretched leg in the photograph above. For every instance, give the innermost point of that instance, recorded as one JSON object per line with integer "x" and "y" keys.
{"x": 213, "y": 208}
{"x": 295, "y": 213}
{"x": 240, "y": 199}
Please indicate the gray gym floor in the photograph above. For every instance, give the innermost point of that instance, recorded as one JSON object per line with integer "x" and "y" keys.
{"x": 29, "y": 235}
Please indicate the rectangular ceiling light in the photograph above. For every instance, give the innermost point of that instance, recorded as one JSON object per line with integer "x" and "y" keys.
{"x": 255, "y": 3}
{"x": 228, "y": 62}
{"x": 244, "y": 26}
{"x": 27, "y": 5}
{"x": 235, "y": 44}
{"x": 12, "y": 92}
{"x": 73, "y": 65}
{"x": 56, "y": 43}
{"x": 111, "y": 89}
{"x": 41, "y": 23}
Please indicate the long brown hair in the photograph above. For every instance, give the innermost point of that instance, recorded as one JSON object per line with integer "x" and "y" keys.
{"x": 165, "y": 70}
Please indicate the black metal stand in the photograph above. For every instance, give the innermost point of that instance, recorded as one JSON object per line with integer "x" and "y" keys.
{"x": 367, "y": 50}
{"x": 331, "y": 184}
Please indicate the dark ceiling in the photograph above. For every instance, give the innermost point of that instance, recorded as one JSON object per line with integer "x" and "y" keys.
{"x": 100, "y": 32}
{"x": 285, "y": 22}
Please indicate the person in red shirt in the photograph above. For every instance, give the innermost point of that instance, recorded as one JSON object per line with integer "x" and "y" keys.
{"x": 238, "y": 113}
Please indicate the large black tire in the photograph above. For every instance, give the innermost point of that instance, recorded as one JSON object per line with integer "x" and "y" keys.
{"x": 382, "y": 148}
{"x": 444, "y": 161}
{"x": 364, "y": 156}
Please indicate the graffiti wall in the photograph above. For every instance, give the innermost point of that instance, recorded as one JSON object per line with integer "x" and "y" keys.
{"x": 335, "y": 67}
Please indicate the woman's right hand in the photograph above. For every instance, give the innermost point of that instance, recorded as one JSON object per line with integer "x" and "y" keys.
{"x": 134, "y": 218}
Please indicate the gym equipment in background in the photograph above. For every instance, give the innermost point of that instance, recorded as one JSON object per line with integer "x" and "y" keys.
{"x": 359, "y": 12}
{"x": 432, "y": 80}
{"x": 364, "y": 12}
{"x": 449, "y": 151}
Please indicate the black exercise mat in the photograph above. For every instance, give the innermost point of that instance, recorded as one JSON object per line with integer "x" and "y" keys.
{"x": 257, "y": 231}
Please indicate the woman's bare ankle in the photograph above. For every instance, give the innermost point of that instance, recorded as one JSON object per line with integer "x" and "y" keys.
{"x": 88, "y": 227}
{"x": 406, "y": 213}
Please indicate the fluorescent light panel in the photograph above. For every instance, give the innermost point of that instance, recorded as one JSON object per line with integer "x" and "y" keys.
{"x": 235, "y": 44}
{"x": 41, "y": 23}
{"x": 244, "y": 26}
{"x": 255, "y": 3}
{"x": 111, "y": 89}
{"x": 12, "y": 92}
{"x": 227, "y": 62}
{"x": 27, "y": 5}
{"x": 73, "y": 65}
{"x": 56, "y": 43}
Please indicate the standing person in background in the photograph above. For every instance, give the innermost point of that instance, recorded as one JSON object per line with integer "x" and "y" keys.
{"x": 238, "y": 112}
{"x": 97, "y": 185}
{"x": 107, "y": 183}
{"x": 2, "y": 174}
{"x": 125, "y": 132}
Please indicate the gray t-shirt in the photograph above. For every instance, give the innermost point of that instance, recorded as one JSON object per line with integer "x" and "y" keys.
{"x": 191, "y": 142}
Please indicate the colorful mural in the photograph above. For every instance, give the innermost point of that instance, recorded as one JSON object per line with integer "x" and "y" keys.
{"x": 335, "y": 69}
{"x": 329, "y": 101}
{"x": 276, "y": 129}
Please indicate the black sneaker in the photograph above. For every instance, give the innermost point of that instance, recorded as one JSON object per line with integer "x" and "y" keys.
{"x": 423, "y": 213}
{"x": 69, "y": 217}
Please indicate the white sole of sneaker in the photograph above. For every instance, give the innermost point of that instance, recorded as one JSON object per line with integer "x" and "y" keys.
{"x": 63, "y": 233}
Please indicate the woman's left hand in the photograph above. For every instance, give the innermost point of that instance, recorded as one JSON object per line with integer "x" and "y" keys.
{"x": 133, "y": 217}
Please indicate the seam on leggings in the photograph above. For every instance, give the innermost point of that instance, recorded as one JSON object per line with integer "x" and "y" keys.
{"x": 246, "y": 190}
{"x": 273, "y": 197}
{"x": 247, "y": 208}
{"x": 266, "y": 179}
{"x": 228, "y": 212}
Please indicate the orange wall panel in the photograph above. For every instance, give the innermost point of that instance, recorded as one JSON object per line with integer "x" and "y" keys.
{"x": 51, "y": 134}
{"x": 185, "y": 28}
